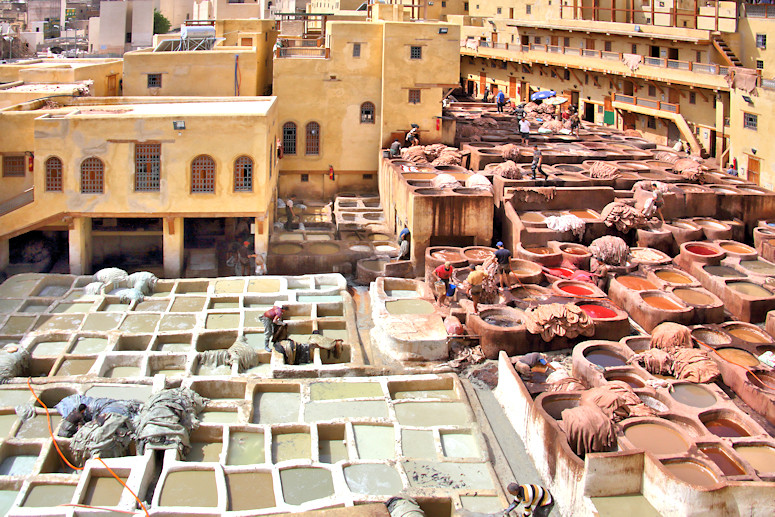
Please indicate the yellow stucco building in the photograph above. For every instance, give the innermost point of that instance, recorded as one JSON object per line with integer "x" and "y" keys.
{"x": 165, "y": 164}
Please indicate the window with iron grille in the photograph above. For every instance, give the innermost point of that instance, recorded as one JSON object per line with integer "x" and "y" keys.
{"x": 607, "y": 46}
{"x": 528, "y": 9}
{"x": 760, "y": 64}
{"x": 289, "y": 138}
{"x": 414, "y": 96}
{"x": 147, "y": 167}
{"x": 13, "y": 166}
{"x": 415, "y": 52}
{"x": 750, "y": 121}
{"x": 154, "y": 80}
{"x": 203, "y": 174}
{"x": 92, "y": 176}
{"x": 651, "y": 122}
{"x": 652, "y": 91}
{"x": 304, "y": 178}
{"x": 367, "y": 113}
{"x": 53, "y": 174}
{"x": 537, "y": 40}
{"x": 313, "y": 139}
{"x": 634, "y": 48}
{"x": 356, "y": 50}
{"x": 692, "y": 98}
{"x": 761, "y": 41}
{"x": 243, "y": 174}
{"x": 499, "y": 10}
{"x": 566, "y": 42}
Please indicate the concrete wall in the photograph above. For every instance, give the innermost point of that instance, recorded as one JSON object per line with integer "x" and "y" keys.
{"x": 176, "y": 11}
{"x": 142, "y": 23}
{"x": 743, "y": 141}
{"x": 192, "y": 73}
{"x": 112, "y": 27}
{"x": 748, "y": 52}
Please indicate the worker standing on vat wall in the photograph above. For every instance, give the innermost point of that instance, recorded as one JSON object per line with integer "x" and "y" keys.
{"x": 403, "y": 253}
{"x": 503, "y": 256}
{"x": 475, "y": 280}
{"x": 444, "y": 273}
{"x": 535, "y": 500}
{"x": 289, "y": 212}
{"x": 272, "y": 319}
{"x": 538, "y": 160}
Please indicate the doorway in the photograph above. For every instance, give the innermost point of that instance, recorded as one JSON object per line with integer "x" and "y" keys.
{"x": 654, "y": 51}
{"x": 672, "y": 53}
{"x": 589, "y": 112}
{"x": 753, "y": 169}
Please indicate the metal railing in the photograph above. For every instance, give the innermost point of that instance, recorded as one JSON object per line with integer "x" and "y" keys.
{"x": 301, "y": 52}
{"x": 16, "y": 202}
{"x": 759, "y": 10}
{"x": 660, "y": 62}
{"x": 646, "y": 103}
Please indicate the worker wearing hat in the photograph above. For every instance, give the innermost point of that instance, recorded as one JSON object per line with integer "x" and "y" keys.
{"x": 272, "y": 319}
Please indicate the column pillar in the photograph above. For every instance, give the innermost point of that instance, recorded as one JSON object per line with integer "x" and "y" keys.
{"x": 261, "y": 235}
{"x": 80, "y": 243}
{"x": 173, "y": 248}
{"x": 4, "y": 253}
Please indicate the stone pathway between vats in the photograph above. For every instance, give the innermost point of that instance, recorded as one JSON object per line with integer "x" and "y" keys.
{"x": 504, "y": 443}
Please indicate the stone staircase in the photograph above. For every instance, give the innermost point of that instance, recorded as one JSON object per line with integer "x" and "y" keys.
{"x": 726, "y": 52}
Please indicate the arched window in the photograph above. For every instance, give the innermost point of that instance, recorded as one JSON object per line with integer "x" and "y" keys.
{"x": 367, "y": 113}
{"x": 203, "y": 174}
{"x": 313, "y": 138}
{"x": 92, "y": 176}
{"x": 243, "y": 174}
{"x": 53, "y": 174}
{"x": 289, "y": 138}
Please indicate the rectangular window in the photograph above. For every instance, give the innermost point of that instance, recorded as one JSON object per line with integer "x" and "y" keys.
{"x": 528, "y": 9}
{"x": 750, "y": 121}
{"x": 13, "y": 166}
{"x": 608, "y": 46}
{"x": 465, "y": 6}
{"x": 566, "y": 42}
{"x": 760, "y": 64}
{"x": 414, "y": 96}
{"x": 368, "y": 176}
{"x": 634, "y": 48}
{"x": 537, "y": 40}
{"x": 443, "y": 4}
{"x": 698, "y": 56}
{"x": 415, "y": 52}
{"x": 154, "y": 80}
{"x": 526, "y": 69}
{"x": 761, "y": 41}
{"x": 651, "y": 122}
{"x": 304, "y": 178}
{"x": 692, "y": 98}
{"x": 356, "y": 50}
{"x": 147, "y": 167}
{"x": 566, "y": 75}
{"x": 499, "y": 10}
{"x": 652, "y": 91}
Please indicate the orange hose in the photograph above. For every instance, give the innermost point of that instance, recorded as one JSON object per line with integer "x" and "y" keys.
{"x": 59, "y": 451}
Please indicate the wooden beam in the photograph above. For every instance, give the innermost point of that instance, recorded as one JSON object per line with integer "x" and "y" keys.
{"x": 557, "y": 73}
{"x": 573, "y": 72}
{"x": 655, "y": 85}
{"x": 171, "y": 225}
{"x": 704, "y": 97}
{"x": 594, "y": 80}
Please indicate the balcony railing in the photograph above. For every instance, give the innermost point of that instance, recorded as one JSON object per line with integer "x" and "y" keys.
{"x": 647, "y": 103}
{"x": 661, "y": 62}
{"x": 759, "y": 10}
{"x": 302, "y": 52}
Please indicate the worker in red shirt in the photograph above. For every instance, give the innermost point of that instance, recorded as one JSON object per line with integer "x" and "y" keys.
{"x": 444, "y": 273}
{"x": 271, "y": 320}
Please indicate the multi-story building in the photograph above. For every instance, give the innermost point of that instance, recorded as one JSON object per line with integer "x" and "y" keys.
{"x": 137, "y": 176}
{"x": 664, "y": 69}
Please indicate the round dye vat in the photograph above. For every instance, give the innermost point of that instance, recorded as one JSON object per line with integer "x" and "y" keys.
{"x": 710, "y": 337}
{"x": 540, "y": 250}
{"x": 573, "y": 250}
{"x": 373, "y": 265}
{"x": 761, "y": 457}
{"x": 661, "y": 302}
{"x": 737, "y": 356}
{"x": 693, "y": 395}
{"x": 709, "y": 223}
{"x": 637, "y": 283}
{"x": 759, "y": 266}
{"x": 598, "y": 311}
{"x": 647, "y": 255}
{"x": 672, "y": 277}
{"x": 560, "y": 271}
{"x": 736, "y": 247}
{"x": 576, "y": 289}
{"x": 656, "y": 438}
{"x": 323, "y": 248}
{"x": 445, "y": 255}
{"x": 684, "y": 225}
{"x": 692, "y": 473}
{"x": 555, "y": 406}
{"x": 747, "y": 334}
{"x": 500, "y": 321}
{"x": 409, "y": 306}
{"x": 478, "y": 254}
{"x": 722, "y": 271}
{"x": 285, "y": 248}
{"x": 749, "y": 289}
{"x": 693, "y": 296}
{"x": 605, "y": 358}
{"x": 701, "y": 249}
{"x": 726, "y": 428}
{"x": 532, "y": 217}
{"x": 632, "y": 380}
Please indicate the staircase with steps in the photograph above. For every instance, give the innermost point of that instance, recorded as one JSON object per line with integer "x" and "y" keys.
{"x": 726, "y": 52}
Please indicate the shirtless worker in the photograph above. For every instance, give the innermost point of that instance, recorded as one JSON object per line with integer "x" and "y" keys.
{"x": 444, "y": 273}
{"x": 271, "y": 320}
{"x": 475, "y": 279}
